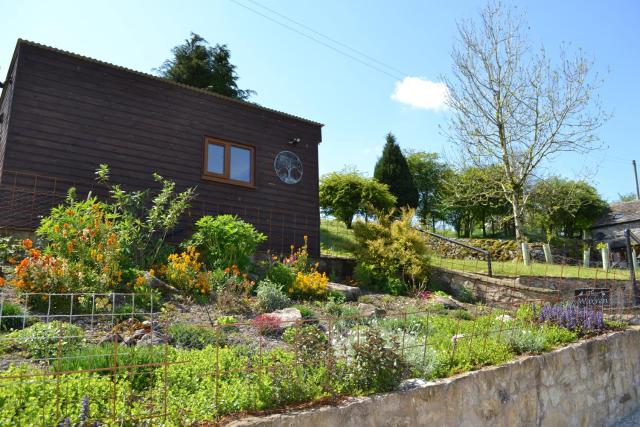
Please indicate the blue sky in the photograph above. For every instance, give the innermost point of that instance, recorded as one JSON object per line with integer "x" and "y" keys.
{"x": 297, "y": 75}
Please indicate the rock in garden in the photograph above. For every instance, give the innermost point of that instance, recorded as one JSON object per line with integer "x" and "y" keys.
{"x": 154, "y": 283}
{"x": 147, "y": 324}
{"x": 134, "y": 337}
{"x": 448, "y": 302}
{"x": 369, "y": 310}
{"x": 412, "y": 383}
{"x": 153, "y": 339}
{"x": 109, "y": 338}
{"x": 350, "y": 293}
{"x": 504, "y": 318}
{"x": 287, "y": 316}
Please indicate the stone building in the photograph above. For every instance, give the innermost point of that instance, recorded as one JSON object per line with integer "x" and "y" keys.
{"x": 609, "y": 228}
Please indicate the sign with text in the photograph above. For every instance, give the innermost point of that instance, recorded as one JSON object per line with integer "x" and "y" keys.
{"x": 592, "y": 297}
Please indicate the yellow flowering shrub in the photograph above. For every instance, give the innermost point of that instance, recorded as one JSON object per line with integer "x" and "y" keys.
{"x": 82, "y": 233}
{"x": 40, "y": 273}
{"x": 184, "y": 271}
{"x": 309, "y": 285}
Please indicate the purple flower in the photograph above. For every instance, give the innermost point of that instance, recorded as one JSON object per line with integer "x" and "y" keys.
{"x": 570, "y": 316}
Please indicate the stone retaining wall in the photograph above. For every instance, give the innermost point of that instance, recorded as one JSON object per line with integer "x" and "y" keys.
{"x": 591, "y": 383}
{"x": 337, "y": 268}
{"x": 512, "y": 291}
{"x": 495, "y": 291}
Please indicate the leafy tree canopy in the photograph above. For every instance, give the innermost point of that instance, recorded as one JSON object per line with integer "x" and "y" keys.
{"x": 347, "y": 193}
{"x": 562, "y": 206}
{"x": 197, "y": 64}
{"x": 429, "y": 177}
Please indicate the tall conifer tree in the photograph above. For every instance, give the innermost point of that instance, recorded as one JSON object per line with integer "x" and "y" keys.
{"x": 392, "y": 169}
{"x": 197, "y": 64}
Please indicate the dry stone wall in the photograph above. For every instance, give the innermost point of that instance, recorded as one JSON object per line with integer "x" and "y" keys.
{"x": 512, "y": 291}
{"x": 591, "y": 383}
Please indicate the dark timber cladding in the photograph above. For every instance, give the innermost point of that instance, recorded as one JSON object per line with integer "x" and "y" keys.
{"x": 70, "y": 113}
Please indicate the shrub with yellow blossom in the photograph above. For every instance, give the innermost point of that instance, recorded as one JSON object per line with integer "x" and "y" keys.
{"x": 309, "y": 285}
{"x": 46, "y": 273}
{"x": 184, "y": 271}
{"x": 81, "y": 233}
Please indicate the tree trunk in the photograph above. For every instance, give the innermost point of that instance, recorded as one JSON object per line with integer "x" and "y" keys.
{"x": 517, "y": 218}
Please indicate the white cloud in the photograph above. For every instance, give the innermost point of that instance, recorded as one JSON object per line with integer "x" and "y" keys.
{"x": 421, "y": 93}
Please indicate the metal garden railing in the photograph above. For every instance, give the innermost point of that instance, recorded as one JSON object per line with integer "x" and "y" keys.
{"x": 485, "y": 253}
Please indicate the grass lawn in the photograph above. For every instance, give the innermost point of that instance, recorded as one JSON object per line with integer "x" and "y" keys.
{"x": 513, "y": 268}
{"x": 337, "y": 240}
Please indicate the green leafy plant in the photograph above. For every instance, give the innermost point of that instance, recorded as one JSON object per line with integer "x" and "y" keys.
{"x": 377, "y": 365}
{"x": 305, "y": 311}
{"x": 270, "y": 296}
{"x": 11, "y": 250}
{"x": 24, "y": 402}
{"x": 102, "y": 358}
{"x": 143, "y": 219}
{"x": 184, "y": 335}
{"x": 226, "y": 321}
{"x": 47, "y": 340}
{"x": 524, "y": 341}
{"x": 12, "y": 316}
{"x": 392, "y": 255}
{"x": 225, "y": 240}
{"x": 310, "y": 343}
{"x": 281, "y": 274}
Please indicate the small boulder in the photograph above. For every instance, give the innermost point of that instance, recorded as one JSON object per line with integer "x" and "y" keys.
{"x": 153, "y": 339}
{"x": 110, "y": 338}
{"x": 448, "y": 302}
{"x": 350, "y": 293}
{"x": 287, "y": 316}
{"x": 504, "y": 318}
{"x": 412, "y": 383}
{"x": 133, "y": 338}
{"x": 369, "y": 310}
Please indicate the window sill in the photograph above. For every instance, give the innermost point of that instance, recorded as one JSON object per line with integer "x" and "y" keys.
{"x": 228, "y": 181}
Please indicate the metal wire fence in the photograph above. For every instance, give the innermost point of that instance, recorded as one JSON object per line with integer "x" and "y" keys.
{"x": 51, "y": 368}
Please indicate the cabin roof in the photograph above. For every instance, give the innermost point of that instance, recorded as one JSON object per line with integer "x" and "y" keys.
{"x": 22, "y": 42}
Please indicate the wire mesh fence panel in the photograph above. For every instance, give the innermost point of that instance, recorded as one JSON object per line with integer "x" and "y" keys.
{"x": 76, "y": 359}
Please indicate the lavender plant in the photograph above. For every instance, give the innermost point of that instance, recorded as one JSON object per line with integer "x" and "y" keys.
{"x": 572, "y": 317}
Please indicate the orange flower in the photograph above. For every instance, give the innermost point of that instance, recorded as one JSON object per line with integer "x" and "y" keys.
{"x": 34, "y": 253}
{"x": 27, "y": 243}
{"x": 2, "y": 281}
{"x": 12, "y": 261}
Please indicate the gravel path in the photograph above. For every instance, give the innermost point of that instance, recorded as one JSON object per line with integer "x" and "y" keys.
{"x": 632, "y": 420}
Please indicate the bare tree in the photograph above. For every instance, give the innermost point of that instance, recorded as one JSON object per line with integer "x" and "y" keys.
{"x": 512, "y": 107}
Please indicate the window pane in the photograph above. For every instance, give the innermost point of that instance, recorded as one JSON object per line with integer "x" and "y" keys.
{"x": 240, "y": 164}
{"x": 215, "y": 158}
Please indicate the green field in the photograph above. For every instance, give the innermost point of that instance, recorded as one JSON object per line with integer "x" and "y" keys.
{"x": 337, "y": 240}
{"x": 514, "y": 269}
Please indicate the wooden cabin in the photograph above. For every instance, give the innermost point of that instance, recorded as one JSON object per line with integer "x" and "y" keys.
{"x": 63, "y": 114}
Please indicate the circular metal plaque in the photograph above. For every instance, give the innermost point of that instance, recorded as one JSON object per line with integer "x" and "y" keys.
{"x": 288, "y": 167}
